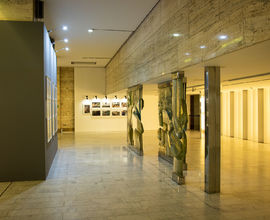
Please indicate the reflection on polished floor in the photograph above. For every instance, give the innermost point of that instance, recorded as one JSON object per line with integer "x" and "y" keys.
{"x": 95, "y": 177}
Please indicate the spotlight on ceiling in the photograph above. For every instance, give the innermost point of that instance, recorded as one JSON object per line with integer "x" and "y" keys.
{"x": 187, "y": 54}
{"x": 203, "y": 47}
{"x": 176, "y": 35}
{"x": 66, "y": 40}
{"x": 66, "y": 48}
{"x": 65, "y": 28}
{"x": 223, "y": 37}
{"x": 90, "y": 30}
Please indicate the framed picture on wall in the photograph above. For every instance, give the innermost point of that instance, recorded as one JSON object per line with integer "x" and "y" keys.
{"x": 86, "y": 109}
{"x": 123, "y": 104}
{"x": 96, "y": 113}
{"x": 95, "y": 104}
{"x": 106, "y": 113}
{"x": 116, "y": 104}
{"x": 124, "y": 112}
{"x": 116, "y": 113}
{"x": 106, "y": 104}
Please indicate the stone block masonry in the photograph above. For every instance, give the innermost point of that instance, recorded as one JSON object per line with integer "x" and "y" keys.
{"x": 66, "y": 98}
{"x": 17, "y": 10}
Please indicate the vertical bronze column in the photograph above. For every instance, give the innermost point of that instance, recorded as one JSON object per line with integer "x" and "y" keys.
{"x": 212, "y": 129}
{"x": 178, "y": 139}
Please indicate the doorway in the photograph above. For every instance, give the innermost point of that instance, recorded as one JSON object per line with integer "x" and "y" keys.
{"x": 194, "y": 116}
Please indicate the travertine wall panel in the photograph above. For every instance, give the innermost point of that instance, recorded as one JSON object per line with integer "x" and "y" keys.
{"x": 66, "y": 98}
{"x": 152, "y": 50}
{"x": 17, "y": 10}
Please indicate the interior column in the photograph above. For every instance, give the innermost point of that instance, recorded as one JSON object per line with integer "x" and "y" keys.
{"x": 212, "y": 129}
{"x": 231, "y": 114}
{"x": 261, "y": 115}
{"x": 245, "y": 114}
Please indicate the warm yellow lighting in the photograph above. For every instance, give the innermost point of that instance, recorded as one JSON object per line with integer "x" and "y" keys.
{"x": 236, "y": 40}
{"x": 187, "y": 60}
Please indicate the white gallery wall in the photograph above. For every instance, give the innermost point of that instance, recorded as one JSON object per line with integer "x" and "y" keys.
{"x": 91, "y": 82}
{"x": 150, "y": 111}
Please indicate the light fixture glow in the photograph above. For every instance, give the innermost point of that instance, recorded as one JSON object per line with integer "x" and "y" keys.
{"x": 67, "y": 49}
{"x": 203, "y": 47}
{"x": 65, "y": 28}
{"x": 187, "y": 54}
{"x": 66, "y": 40}
{"x": 176, "y": 35}
{"x": 223, "y": 37}
{"x": 90, "y": 30}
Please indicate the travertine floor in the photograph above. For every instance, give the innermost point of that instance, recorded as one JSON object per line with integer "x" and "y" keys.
{"x": 95, "y": 177}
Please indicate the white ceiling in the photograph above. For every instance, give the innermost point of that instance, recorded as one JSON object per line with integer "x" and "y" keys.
{"x": 81, "y": 15}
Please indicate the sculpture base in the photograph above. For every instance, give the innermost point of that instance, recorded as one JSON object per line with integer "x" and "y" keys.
{"x": 180, "y": 180}
{"x": 163, "y": 156}
{"x": 135, "y": 150}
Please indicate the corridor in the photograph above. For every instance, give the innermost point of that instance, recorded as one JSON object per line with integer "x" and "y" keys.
{"x": 95, "y": 177}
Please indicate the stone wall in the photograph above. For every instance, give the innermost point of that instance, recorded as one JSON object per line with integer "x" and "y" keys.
{"x": 17, "y": 10}
{"x": 65, "y": 98}
{"x": 152, "y": 50}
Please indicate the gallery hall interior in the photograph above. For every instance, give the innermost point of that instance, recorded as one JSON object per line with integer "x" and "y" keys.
{"x": 135, "y": 109}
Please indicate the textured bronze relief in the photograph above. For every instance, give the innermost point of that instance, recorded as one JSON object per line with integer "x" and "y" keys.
{"x": 173, "y": 124}
{"x": 135, "y": 132}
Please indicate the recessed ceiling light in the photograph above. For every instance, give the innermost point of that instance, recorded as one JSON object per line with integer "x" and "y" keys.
{"x": 176, "y": 35}
{"x": 187, "y": 54}
{"x": 203, "y": 47}
{"x": 223, "y": 37}
{"x": 67, "y": 49}
{"x": 90, "y": 30}
{"x": 65, "y": 28}
{"x": 66, "y": 40}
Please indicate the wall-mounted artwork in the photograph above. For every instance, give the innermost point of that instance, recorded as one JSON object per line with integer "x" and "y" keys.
{"x": 86, "y": 109}
{"x": 106, "y": 113}
{"x": 95, "y": 104}
{"x": 116, "y": 104}
{"x": 106, "y": 104}
{"x": 124, "y": 113}
{"x": 115, "y": 113}
{"x": 105, "y": 107}
{"x": 96, "y": 113}
{"x": 124, "y": 104}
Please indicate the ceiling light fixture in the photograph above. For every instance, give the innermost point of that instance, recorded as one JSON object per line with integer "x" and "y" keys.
{"x": 187, "y": 54}
{"x": 65, "y": 28}
{"x": 203, "y": 47}
{"x": 90, "y": 30}
{"x": 64, "y": 48}
{"x": 66, "y": 40}
{"x": 176, "y": 35}
{"x": 223, "y": 37}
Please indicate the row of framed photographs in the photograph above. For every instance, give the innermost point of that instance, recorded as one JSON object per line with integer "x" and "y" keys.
{"x": 104, "y": 112}
{"x": 51, "y": 110}
{"x": 109, "y": 105}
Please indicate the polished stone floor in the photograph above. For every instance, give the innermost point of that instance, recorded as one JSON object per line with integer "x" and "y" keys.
{"x": 95, "y": 177}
